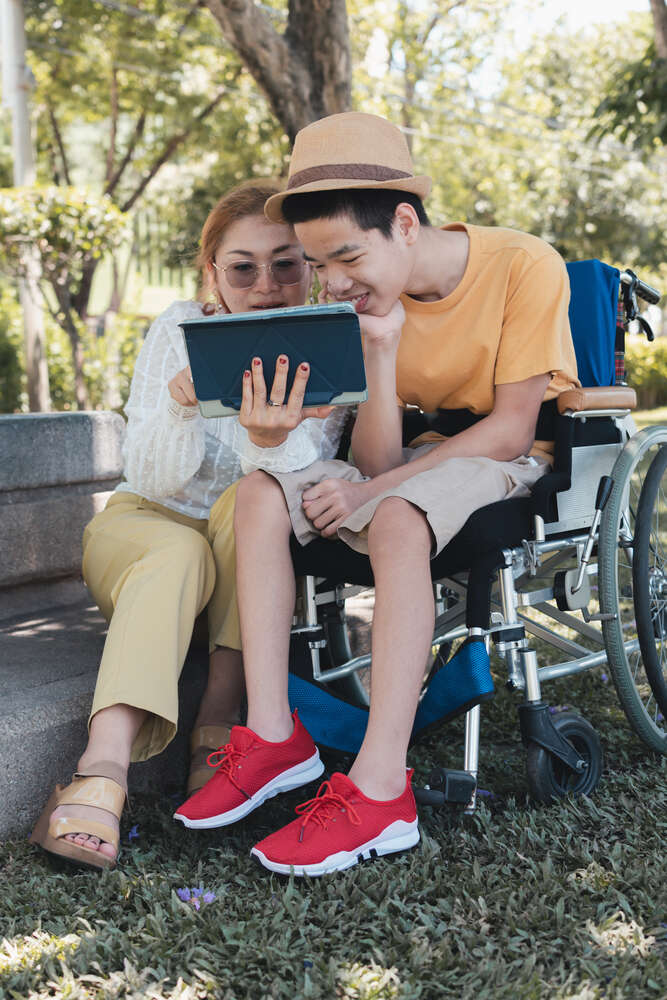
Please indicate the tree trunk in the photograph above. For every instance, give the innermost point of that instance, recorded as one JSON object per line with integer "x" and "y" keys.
{"x": 659, "y": 11}
{"x": 305, "y": 72}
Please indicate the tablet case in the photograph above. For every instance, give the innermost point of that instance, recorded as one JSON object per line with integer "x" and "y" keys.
{"x": 328, "y": 337}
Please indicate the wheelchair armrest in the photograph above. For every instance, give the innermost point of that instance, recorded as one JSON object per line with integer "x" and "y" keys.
{"x": 611, "y": 397}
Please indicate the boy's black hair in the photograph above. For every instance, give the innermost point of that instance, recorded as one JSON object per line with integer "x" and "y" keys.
{"x": 371, "y": 208}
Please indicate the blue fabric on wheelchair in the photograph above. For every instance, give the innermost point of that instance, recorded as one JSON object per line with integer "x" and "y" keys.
{"x": 332, "y": 722}
{"x": 458, "y": 685}
{"x": 592, "y": 312}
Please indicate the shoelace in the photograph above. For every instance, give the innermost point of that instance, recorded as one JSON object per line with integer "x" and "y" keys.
{"x": 229, "y": 759}
{"x": 322, "y": 807}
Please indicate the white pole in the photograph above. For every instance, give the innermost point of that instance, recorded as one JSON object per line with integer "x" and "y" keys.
{"x": 16, "y": 82}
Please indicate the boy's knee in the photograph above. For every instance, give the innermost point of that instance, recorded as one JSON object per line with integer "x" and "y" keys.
{"x": 259, "y": 495}
{"x": 398, "y": 518}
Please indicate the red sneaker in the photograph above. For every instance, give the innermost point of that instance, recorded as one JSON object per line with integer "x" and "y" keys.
{"x": 249, "y": 771}
{"x": 338, "y": 828}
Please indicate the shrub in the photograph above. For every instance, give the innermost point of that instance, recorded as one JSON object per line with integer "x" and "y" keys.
{"x": 646, "y": 367}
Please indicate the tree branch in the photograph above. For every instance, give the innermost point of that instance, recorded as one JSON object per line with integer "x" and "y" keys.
{"x": 59, "y": 141}
{"x": 111, "y": 154}
{"x": 169, "y": 151}
{"x": 137, "y": 133}
{"x": 659, "y": 12}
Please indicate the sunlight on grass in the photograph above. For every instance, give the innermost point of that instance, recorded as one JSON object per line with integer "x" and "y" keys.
{"x": 368, "y": 982}
{"x": 644, "y": 418}
{"x": 27, "y": 952}
{"x": 618, "y": 934}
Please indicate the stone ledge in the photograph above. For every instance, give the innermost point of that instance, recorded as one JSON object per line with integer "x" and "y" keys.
{"x": 49, "y": 666}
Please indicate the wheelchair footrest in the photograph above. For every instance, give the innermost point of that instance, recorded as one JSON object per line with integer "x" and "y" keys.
{"x": 447, "y": 785}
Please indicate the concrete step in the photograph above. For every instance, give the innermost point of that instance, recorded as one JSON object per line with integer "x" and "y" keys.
{"x": 51, "y": 640}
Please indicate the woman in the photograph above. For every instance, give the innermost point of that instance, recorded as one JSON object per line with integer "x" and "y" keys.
{"x": 151, "y": 559}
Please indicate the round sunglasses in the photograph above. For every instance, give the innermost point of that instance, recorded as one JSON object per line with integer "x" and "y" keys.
{"x": 244, "y": 273}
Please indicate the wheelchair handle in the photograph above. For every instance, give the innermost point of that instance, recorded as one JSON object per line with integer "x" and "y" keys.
{"x": 640, "y": 288}
{"x": 605, "y": 487}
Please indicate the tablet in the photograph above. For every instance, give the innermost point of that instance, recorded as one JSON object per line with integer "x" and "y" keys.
{"x": 328, "y": 337}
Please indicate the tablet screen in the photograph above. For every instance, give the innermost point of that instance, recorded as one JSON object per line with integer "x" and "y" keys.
{"x": 221, "y": 348}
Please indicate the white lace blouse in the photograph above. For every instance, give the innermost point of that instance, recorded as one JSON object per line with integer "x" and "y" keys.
{"x": 176, "y": 457}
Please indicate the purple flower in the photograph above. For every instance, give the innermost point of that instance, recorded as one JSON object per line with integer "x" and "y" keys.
{"x": 134, "y": 833}
{"x": 196, "y": 896}
{"x": 604, "y": 678}
{"x": 485, "y": 792}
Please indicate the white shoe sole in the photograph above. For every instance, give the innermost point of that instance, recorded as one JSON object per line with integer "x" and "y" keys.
{"x": 293, "y": 777}
{"x": 398, "y": 836}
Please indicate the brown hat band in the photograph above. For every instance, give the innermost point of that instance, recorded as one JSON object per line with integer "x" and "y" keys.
{"x": 346, "y": 171}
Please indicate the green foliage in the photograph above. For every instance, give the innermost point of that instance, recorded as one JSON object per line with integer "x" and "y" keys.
{"x": 107, "y": 368}
{"x": 68, "y": 227}
{"x": 11, "y": 360}
{"x": 646, "y": 371}
{"x": 636, "y": 103}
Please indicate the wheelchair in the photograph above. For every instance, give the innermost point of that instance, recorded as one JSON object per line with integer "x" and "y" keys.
{"x": 579, "y": 564}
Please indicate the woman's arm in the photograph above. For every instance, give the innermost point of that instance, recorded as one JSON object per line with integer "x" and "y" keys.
{"x": 165, "y": 441}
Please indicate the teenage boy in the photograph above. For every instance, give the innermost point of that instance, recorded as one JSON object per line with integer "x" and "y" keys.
{"x": 458, "y": 317}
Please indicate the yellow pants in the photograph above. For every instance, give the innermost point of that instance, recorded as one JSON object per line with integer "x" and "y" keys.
{"x": 151, "y": 571}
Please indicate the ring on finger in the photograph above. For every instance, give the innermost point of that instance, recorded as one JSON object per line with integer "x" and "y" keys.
{"x": 270, "y": 402}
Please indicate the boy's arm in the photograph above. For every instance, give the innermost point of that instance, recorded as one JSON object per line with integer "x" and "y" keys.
{"x": 377, "y": 437}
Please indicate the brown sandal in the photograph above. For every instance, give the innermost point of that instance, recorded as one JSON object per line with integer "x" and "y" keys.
{"x": 103, "y": 786}
{"x": 211, "y": 737}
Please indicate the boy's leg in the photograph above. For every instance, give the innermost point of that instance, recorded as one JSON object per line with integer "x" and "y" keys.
{"x": 401, "y": 640}
{"x": 266, "y": 595}
{"x": 274, "y": 752}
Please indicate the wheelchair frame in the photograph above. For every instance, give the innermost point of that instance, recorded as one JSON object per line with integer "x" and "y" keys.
{"x": 577, "y": 533}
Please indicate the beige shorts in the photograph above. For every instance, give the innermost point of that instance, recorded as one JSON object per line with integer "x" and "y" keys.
{"x": 447, "y": 494}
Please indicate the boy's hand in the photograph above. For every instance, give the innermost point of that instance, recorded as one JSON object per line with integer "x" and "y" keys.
{"x": 383, "y": 331}
{"x": 330, "y": 502}
{"x": 268, "y": 419}
{"x": 181, "y": 388}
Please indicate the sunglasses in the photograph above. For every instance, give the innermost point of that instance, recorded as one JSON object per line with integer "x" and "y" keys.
{"x": 244, "y": 273}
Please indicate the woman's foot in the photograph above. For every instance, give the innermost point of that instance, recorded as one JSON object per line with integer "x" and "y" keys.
{"x": 89, "y": 841}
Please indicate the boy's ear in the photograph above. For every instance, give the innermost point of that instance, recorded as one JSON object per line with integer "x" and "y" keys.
{"x": 406, "y": 223}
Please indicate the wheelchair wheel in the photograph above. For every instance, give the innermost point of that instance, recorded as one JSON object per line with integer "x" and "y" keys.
{"x": 650, "y": 580}
{"x": 549, "y": 778}
{"x": 616, "y": 579}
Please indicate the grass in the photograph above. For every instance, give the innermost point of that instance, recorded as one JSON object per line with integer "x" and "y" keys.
{"x": 515, "y": 903}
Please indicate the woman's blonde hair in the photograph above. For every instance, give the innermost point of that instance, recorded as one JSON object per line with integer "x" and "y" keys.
{"x": 244, "y": 200}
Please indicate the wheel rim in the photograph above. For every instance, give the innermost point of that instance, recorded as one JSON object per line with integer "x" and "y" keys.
{"x": 650, "y": 579}
{"x": 617, "y": 587}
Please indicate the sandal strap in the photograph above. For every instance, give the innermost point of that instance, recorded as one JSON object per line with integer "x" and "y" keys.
{"x": 105, "y": 769}
{"x": 80, "y": 824}
{"x": 211, "y": 737}
{"x": 97, "y": 791}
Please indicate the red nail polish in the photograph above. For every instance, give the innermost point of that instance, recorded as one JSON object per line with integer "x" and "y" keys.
{"x": 304, "y": 368}
{"x": 246, "y": 374}
{"x": 283, "y": 360}
{"x": 256, "y": 361}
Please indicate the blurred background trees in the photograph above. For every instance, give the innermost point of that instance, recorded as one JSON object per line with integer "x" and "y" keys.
{"x": 153, "y": 109}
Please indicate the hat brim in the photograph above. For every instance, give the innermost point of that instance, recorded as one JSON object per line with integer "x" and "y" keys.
{"x": 420, "y": 186}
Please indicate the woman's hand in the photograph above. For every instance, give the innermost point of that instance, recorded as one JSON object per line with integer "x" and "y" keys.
{"x": 330, "y": 502}
{"x": 181, "y": 388}
{"x": 269, "y": 420}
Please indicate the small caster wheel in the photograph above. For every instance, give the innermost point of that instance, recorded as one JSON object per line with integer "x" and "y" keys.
{"x": 549, "y": 778}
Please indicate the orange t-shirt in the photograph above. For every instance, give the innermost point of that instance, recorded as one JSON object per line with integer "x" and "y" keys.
{"x": 505, "y": 321}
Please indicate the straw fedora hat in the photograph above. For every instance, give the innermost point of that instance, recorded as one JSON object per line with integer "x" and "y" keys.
{"x": 350, "y": 150}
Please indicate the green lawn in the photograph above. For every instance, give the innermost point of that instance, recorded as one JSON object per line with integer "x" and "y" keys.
{"x": 516, "y": 903}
